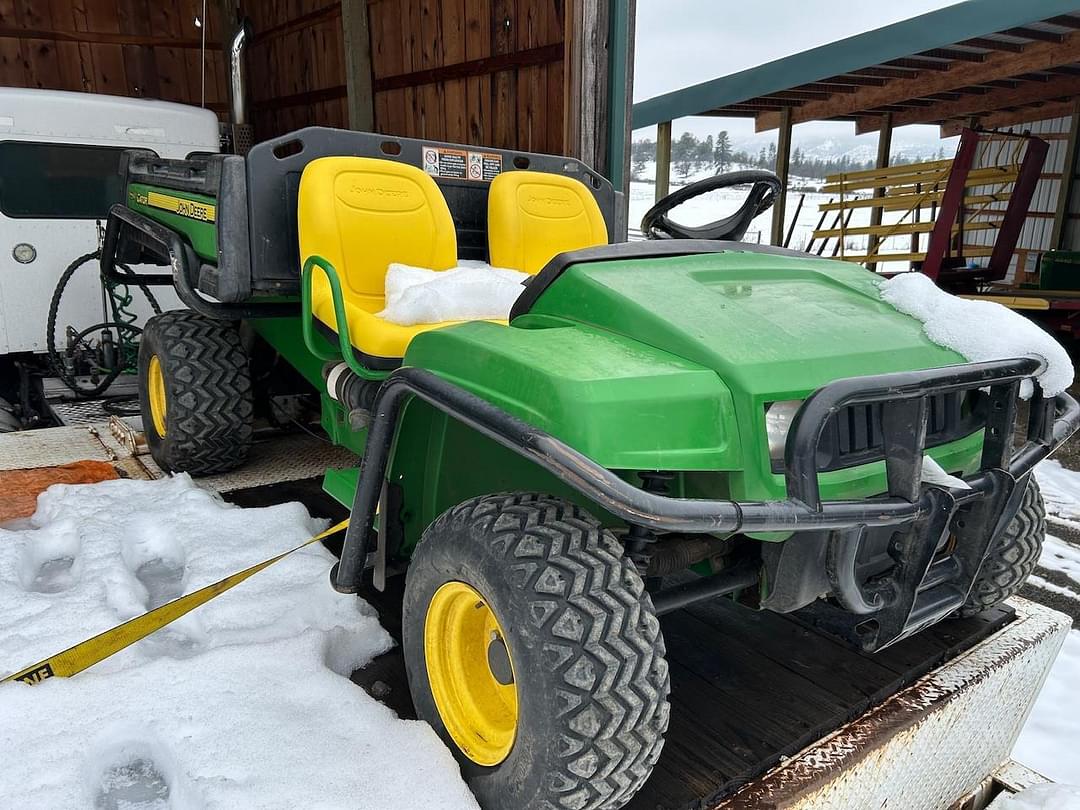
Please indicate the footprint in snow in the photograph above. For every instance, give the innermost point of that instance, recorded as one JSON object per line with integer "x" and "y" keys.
{"x": 49, "y": 561}
{"x": 157, "y": 560}
{"x": 134, "y": 785}
{"x": 163, "y": 580}
{"x": 129, "y": 769}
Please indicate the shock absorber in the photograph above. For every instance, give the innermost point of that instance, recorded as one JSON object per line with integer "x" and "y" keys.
{"x": 639, "y": 540}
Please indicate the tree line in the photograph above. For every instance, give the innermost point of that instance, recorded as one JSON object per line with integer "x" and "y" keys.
{"x": 691, "y": 155}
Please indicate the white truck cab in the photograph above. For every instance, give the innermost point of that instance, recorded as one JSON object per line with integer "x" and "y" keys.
{"x": 59, "y": 156}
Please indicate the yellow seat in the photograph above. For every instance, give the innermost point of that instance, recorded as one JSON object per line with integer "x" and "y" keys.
{"x": 534, "y": 216}
{"x": 361, "y": 214}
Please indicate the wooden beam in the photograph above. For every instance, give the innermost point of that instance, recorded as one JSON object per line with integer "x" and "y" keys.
{"x": 918, "y": 64}
{"x": 999, "y": 65}
{"x": 358, "y": 76}
{"x": 586, "y": 71}
{"x": 826, "y": 87}
{"x": 993, "y": 44}
{"x": 954, "y": 55}
{"x": 663, "y": 160}
{"x": 1033, "y": 33}
{"x": 304, "y": 21}
{"x": 783, "y": 169}
{"x": 1068, "y": 180}
{"x": 1008, "y": 118}
{"x": 303, "y": 99}
{"x": 856, "y": 81}
{"x": 543, "y": 55}
{"x": 882, "y": 162}
{"x": 105, "y": 38}
{"x": 994, "y": 100}
{"x": 884, "y": 72}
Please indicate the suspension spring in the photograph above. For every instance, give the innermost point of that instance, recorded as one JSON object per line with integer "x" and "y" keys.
{"x": 639, "y": 540}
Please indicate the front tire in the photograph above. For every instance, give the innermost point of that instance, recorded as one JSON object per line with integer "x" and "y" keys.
{"x": 194, "y": 393}
{"x": 533, "y": 651}
{"x": 1012, "y": 559}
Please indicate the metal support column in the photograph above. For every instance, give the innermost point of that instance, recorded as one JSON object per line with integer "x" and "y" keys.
{"x": 1068, "y": 180}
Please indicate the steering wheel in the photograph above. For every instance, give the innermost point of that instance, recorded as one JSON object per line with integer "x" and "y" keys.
{"x": 765, "y": 186}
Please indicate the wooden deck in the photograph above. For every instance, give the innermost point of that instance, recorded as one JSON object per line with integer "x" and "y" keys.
{"x": 748, "y": 688}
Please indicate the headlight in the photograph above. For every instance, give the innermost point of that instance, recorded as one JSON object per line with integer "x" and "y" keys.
{"x": 778, "y": 418}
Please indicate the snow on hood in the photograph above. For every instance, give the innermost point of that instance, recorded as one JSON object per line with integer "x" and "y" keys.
{"x": 244, "y": 703}
{"x": 979, "y": 330}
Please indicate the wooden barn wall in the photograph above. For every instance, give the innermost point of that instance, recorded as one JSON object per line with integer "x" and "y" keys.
{"x": 473, "y": 71}
{"x": 136, "y": 48}
{"x": 296, "y": 65}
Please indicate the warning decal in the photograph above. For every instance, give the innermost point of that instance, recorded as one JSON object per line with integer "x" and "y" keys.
{"x": 457, "y": 164}
{"x": 484, "y": 165}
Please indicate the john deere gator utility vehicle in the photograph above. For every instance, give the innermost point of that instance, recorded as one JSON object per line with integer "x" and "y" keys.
{"x": 657, "y": 423}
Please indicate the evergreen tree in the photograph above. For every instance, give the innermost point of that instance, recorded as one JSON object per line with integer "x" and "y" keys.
{"x": 722, "y": 152}
{"x": 684, "y": 154}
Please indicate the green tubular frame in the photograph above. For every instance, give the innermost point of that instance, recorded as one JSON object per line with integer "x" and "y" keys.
{"x": 307, "y": 317}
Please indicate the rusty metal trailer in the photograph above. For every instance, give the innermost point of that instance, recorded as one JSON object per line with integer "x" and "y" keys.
{"x": 767, "y": 713}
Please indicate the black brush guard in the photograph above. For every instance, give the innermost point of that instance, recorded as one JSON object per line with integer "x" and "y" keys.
{"x": 925, "y": 584}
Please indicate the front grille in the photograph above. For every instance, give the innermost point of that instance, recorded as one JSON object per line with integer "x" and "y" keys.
{"x": 853, "y": 436}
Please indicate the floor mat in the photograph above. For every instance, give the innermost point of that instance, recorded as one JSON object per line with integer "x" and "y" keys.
{"x": 21, "y": 488}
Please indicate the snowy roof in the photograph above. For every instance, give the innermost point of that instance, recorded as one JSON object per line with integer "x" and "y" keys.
{"x": 980, "y": 57}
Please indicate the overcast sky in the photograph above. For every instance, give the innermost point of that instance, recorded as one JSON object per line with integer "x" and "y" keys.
{"x": 683, "y": 42}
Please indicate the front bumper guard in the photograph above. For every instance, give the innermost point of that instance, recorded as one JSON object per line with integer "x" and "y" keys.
{"x": 923, "y": 587}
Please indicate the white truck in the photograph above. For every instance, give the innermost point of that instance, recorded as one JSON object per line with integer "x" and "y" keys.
{"x": 59, "y": 161}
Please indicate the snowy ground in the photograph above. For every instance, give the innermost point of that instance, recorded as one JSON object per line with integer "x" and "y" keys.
{"x": 239, "y": 704}
{"x": 1049, "y": 740}
{"x": 718, "y": 204}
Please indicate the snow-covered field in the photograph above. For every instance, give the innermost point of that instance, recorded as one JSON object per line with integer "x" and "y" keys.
{"x": 244, "y": 703}
{"x": 718, "y": 204}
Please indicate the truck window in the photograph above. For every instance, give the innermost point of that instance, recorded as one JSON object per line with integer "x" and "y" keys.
{"x": 58, "y": 181}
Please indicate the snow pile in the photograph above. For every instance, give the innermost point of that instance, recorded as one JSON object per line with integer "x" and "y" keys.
{"x": 1040, "y": 797}
{"x": 245, "y": 702}
{"x": 1060, "y": 489}
{"x": 1048, "y": 740}
{"x": 470, "y": 291}
{"x": 979, "y": 330}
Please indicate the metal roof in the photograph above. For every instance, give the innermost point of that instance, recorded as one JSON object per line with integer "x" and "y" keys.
{"x": 998, "y": 59}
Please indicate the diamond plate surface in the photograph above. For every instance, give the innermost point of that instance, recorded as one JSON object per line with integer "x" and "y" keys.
{"x": 931, "y": 743}
{"x": 290, "y": 457}
{"x": 49, "y": 447}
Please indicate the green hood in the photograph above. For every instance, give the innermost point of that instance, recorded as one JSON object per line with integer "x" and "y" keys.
{"x": 773, "y": 327}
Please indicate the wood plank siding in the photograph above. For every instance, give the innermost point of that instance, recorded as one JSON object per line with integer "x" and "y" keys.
{"x": 135, "y": 48}
{"x": 487, "y": 72}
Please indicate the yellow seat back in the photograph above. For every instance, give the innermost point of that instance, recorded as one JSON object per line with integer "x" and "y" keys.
{"x": 361, "y": 214}
{"x": 533, "y": 216}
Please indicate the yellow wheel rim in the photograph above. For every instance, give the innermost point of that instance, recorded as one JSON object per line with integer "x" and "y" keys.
{"x": 155, "y": 388}
{"x": 470, "y": 673}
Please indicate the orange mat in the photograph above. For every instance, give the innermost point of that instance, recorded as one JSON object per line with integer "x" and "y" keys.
{"x": 19, "y": 488}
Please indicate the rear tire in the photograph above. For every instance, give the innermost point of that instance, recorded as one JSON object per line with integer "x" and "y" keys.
{"x": 1013, "y": 558}
{"x": 583, "y": 644}
{"x": 194, "y": 393}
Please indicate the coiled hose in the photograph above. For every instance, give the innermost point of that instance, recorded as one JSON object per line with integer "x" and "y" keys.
{"x": 123, "y": 321}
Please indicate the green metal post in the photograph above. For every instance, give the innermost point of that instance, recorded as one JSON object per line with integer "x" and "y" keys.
{"x": 620, "y": 90}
